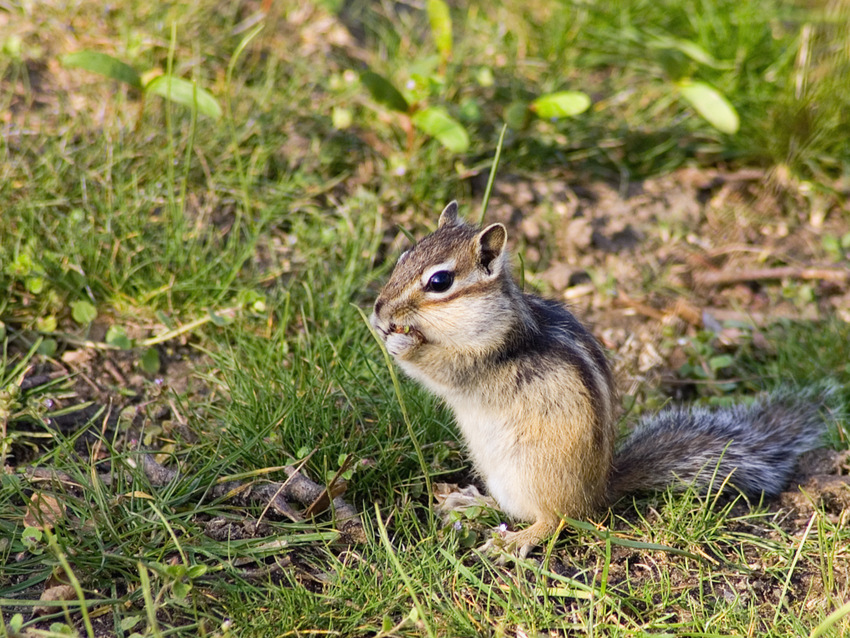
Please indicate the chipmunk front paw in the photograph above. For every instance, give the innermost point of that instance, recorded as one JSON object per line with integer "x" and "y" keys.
{"x": 400, "y": 341}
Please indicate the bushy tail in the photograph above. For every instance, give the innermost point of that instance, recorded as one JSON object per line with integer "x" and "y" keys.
{"x": 756, "y": 446}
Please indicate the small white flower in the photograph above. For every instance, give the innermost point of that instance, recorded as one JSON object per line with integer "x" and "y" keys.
{"x": 503, "y": 527}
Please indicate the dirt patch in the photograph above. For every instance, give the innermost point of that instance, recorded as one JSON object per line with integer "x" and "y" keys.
{"x": 677, "y": 254}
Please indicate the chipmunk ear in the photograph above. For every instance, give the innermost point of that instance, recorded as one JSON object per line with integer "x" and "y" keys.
{"x": 449, "y": 215}
{"x": 491, "y": 245}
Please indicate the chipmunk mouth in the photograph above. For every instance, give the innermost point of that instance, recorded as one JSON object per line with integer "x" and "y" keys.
{"x": 406, "y": 329}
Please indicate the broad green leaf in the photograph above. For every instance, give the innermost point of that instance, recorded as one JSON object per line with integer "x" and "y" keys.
{"x": 711, "y": 105}
{"x": 441, "y": 27}
{"x": 186, "y": 93}
{"x": 560, "y": 104}
{"x": 104, "y": 64}
{"x": 436, "y": 122}
{"x": 383, "y": 92}
{"x": 83, "y": 312}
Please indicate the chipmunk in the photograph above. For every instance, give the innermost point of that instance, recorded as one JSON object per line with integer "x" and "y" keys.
{"x": 534, "y": 397}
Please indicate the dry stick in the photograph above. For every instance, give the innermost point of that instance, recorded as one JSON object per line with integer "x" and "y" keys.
{"x": 279, "y": 491}
{"x": 721, "y": 277}
{"x": 297, "y": 487}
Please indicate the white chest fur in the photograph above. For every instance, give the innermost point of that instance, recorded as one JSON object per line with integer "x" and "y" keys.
{"x": 493, "y": 447}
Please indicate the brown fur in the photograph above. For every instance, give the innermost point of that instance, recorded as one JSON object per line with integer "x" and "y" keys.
{"x": 534, "y": 397}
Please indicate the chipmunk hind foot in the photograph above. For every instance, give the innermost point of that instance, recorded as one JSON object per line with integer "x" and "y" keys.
{"x": 521, "y": 542}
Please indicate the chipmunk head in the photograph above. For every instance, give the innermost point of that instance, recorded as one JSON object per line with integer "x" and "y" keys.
{"x": 449, "y": 288}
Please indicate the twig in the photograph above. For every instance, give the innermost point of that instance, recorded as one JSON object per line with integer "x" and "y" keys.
{"x": 721, "y": 277}
{"x": 297, "y": 487}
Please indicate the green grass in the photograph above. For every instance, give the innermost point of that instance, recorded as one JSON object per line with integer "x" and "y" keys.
{"x": 271, "y": 227}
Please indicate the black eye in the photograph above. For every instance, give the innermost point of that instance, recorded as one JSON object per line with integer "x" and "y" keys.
{"x": 440, "y": 281}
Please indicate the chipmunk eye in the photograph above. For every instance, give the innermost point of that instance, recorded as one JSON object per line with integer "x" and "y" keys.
{"x": 440, "y": 281}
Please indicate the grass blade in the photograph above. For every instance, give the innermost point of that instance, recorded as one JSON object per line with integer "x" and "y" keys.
{"x": 492, "y": 176}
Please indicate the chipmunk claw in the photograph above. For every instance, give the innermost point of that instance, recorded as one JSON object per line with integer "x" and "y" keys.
{"x": 504, "y": 545}
{"x": 520, "y": 543}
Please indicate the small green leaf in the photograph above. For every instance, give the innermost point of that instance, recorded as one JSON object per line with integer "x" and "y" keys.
{"x": 196, "y": 571}
{"x": 470, "y": 111}
{"x": 61, "y": 628}
{"x": 34, "y": 285}
{"x": 164, "y": 319}
{"x": 217, "y": 319}
{"x": 436, "y": 122}
{"x": 181, "y": 589}
{"x": 117, "y": 336}
{"x": 341, "y": 118}
{"x": 516, "y": 114}
{"x": 720, "y": 361}
{"x": 105, "y": 65}
{"x": 150, "y": 361}
{"x": 560, "y": 104}
{"x": 175, "y": 571}
{"x": 383, "y": 92}
{"x": 186, "y": 93}
{"x": 46, "y": 324}
{"x": 128, "y": 622}
{"x": 16, "y": 623}
{"x": 21, "y": 266}
{"x": 441, "y": 27}
{"x": 484, "y": 76}
{"x": 31, "y": 536}
{"x": 48, "y": 347}
{"x": 13, "y": 46}
{"x": 711, "y": 105}
{"x": 83, "y": 312}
